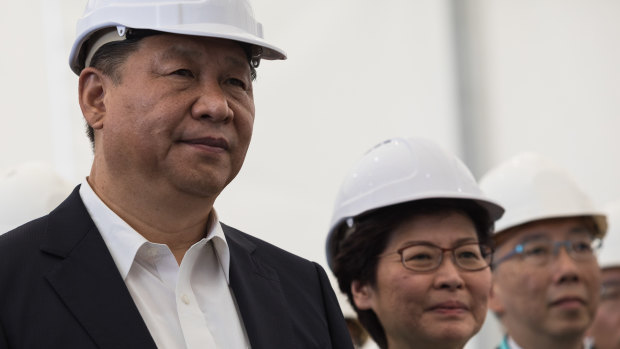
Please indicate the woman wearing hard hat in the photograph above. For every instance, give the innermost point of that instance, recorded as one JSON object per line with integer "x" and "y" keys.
{"x": 408, "y": 244}
{"x": 545, "y": 275}
{"x": 605, "y": 331}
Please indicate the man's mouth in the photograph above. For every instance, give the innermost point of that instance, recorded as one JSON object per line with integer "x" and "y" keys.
{"x": 207, "y": 142}
{"x": 568, "y": 302}
{"x": 448, "y": 307}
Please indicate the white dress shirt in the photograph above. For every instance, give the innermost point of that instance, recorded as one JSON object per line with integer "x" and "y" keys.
{"x": 511, "y": 344}
{"x": 184, "y": 306}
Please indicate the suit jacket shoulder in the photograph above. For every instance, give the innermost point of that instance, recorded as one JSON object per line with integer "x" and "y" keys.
{"x": 60, "y": 288}
{"x": 285, "y": 301}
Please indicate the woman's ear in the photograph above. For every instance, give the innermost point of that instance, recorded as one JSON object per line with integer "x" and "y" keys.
{"x": 363, "y": 295}
{"x": 92, "y": 89}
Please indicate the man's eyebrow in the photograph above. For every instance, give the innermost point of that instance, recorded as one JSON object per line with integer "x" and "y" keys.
{"x": 236, "y": 61}
{"x": 534, "y": 236}
{"x": 178, "y": 50}
{"x": 579, "y": 230}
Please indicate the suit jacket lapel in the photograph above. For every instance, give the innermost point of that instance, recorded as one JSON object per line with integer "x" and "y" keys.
{"x": 257, "y": 290}
{"x": 88, "y": 282}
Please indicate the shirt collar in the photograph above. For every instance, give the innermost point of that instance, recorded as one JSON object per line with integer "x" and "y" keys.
{"x": 509, "y": 343}
{"x": 123, "y": 241}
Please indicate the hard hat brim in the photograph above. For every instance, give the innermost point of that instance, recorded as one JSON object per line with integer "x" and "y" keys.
{"x": 212, "y": 30}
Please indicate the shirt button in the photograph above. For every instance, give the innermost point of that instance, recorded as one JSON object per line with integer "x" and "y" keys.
{"x": 185, "y": 299}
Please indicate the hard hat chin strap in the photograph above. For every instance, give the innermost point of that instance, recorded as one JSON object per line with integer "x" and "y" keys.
{"x": 103, "y": 37}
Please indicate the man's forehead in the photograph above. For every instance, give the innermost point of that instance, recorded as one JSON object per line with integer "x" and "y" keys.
{"x": 195, "y": 47}
{"x": 547, "y": 228}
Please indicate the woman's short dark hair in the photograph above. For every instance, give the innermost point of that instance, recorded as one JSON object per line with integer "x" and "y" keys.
{"x": 109, "y": 58}
{"x": 356, "y": 257}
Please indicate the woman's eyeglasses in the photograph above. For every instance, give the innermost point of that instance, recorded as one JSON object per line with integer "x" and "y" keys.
{"x": 423, "y": 257}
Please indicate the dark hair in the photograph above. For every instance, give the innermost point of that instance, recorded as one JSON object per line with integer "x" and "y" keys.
{"x": 109, "y": 57}
{"x": 356, "y": 257}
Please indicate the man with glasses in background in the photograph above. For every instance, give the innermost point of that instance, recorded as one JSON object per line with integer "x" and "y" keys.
{"x": 605, "y": 330}
{"x": 546, "y": 279}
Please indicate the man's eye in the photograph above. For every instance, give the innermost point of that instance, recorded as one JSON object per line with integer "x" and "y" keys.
{"x": 537, "y": 251}
{"x": 183, "y": 72}
{"x": 237, "y": 82}
{"x": 582, "y": 246}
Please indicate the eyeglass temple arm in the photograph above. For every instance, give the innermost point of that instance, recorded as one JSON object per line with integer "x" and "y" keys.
{"x": 516, "y": 251}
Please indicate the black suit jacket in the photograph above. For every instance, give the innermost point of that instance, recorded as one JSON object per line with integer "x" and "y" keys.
{"x": 60, "y": 288}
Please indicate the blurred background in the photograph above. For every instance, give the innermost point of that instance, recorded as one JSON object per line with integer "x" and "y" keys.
{"x": 486, "y": 79}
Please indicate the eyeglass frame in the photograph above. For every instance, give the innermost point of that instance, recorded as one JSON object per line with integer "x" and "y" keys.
{"x": 489, "y": 255}
{"x": 518, "y": 250}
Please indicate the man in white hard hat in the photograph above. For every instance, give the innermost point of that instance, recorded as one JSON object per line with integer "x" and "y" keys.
{"x": 136, "y": 257}
{"x": 605, "y": 331}
{"x": 545, "y": 274}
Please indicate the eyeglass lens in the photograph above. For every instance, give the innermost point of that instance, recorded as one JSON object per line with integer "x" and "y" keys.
{"x": 540, "y": 250}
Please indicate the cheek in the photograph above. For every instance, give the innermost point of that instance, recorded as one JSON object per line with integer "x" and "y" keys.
{"x": 528, "y": 282}
{"x": 395, "y": 285}
{"x": 593, "y": 279}
{"x": 480, "y": 288}
{"x": 407, "y": 291}
{"x": 244, "y": 123}
{"x": 520, "y": 289}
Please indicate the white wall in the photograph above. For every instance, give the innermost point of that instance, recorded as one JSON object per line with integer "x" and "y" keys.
{"x": 543, "y": 76}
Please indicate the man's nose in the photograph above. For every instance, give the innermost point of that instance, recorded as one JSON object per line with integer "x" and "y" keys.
{"x": 212, "y": 104}
{"x": 566, "y": 265}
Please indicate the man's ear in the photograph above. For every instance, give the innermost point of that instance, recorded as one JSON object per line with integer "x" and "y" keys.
{"x": 495, "y": 300}
{"x": 92, "y": 89}
{"x": 363, "y": 295}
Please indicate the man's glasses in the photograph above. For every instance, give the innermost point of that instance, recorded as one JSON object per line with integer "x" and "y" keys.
{"x": 540, "y": 250}
{"x": 423, "y": 257}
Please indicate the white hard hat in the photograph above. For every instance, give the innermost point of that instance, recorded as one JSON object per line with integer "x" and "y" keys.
{"x": 401, "y": 170}
{"x": 531, "y": 187}
{"x": 227, "y": 19}
{"x": 28, "y": 191}
{"x": 609, "y": 256}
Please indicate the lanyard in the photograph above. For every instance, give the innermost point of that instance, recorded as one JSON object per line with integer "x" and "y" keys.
{"x": 504, "y": 343}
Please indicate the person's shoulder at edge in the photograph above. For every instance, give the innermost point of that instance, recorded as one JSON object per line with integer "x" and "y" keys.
{"x": 27, "y": 235}
{"x": 275, "y": 256}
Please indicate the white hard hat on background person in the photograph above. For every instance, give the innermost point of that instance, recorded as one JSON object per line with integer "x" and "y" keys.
{"x": 28, "y": 191}
{"x": 402, "y": 170}
{"x": 609, "y": 255}
{"x": 226, "y": 19}
{"x": 531, "y": 187}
